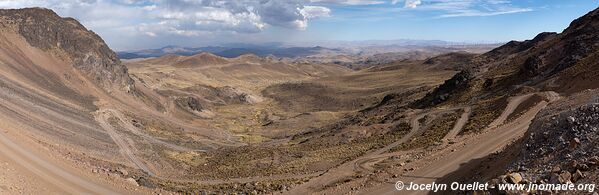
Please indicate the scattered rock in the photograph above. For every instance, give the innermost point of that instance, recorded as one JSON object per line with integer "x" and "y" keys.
{"x": 132, "y": 181}
{"x": 514, "y": 178}
{"x": 189, "y": 103}
{"x": 583, "y": 167}
{"x": 556, "y": 169}
{"x": 123, "y": 172}
{"x": 573, "y": 166}
{"x": 577, "y": 176}
{"x": 565, "y": 177}
{"x": 502, "y": 179}
{"x": 571, "y": 119}
{"x": 574, "y": 143}
{"x": 555, "y": 178}
{"x": 595, "y": 160}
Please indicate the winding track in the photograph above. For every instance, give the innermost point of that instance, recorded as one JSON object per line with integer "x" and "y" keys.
{"x": 513, "y": 103}
{"x": 483, "y": 145}
{"x": 128, "y": 151}
{"x": 348, "y": 169}
{"x": 366, "y": 164}
{"x": 125, "y": 148}
{"x": 136, "y": 131}
{"x": 459, "y": 125}
{"x": 444, "y": 162}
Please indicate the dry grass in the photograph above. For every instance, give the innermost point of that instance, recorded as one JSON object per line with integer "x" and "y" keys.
{"x": 163, "y": 130}
{"x": 264, "y": 187}
{"x": 433, "y": 134}
{"x": 305, "y": 157}
{"x": 525, "y": 106}
{"x": 483, "y": 113}
{"x": 327, "y": 95}
{"x": 350, "y": 92}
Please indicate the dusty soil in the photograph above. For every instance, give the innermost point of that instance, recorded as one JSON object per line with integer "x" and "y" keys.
{"x": 75, "y": 120}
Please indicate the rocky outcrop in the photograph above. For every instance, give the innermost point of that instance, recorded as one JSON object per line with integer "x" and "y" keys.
{"x": 532, "y": 65}
{"x": 44, "y": 29}
{"x": 457, "y": 84}
{"x": 550, "y": 54}
{"x": 189, "y": 103}
{"x": 563, "y": 62}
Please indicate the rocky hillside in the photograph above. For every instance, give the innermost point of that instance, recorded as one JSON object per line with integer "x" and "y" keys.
{"x": 458, "y": 82}
{"x": 563, "y": 62}
{"x": 67, "y": 37}
{"x": 553, "y": 61}
{"x": 563, "y": 149}
{"x": 560, "y": 145}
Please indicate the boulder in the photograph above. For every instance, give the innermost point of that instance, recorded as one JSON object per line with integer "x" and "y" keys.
{"x": 565, "y": 177}
{"x": 573, "y": 166}
{"x": 556, "y": 169}
{"x": 514, "y": 178}
{"x": 595, "y": 160}
{"x": 574, "y": 143}
{"x": 123, "y": 172}
{"x": 577, "y": 176}
{"x": 571, "y": 119}
{"x": 555, "y": 179}
{"x": 132, "y": 181}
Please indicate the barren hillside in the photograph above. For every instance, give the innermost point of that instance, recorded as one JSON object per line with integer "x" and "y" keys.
{"x": 74, "y": 119}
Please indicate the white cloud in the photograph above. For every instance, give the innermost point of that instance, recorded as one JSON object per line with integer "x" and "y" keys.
{"x": 183, "y": 17}
{"x": 412, "y": 3}
{"x": 315, "y": 11}
{"x": 464, "y": 13}
{"x": 126, "y": 22}
{"x": 466, "y": 8}
{"x": 151, "y": 34}
{"x": 350, "y": 2}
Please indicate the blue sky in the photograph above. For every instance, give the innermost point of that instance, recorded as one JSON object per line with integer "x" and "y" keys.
{"x": 382, "y": 22}
{"x": 138, "y": 24}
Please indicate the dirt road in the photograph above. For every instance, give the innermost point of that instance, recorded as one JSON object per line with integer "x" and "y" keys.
{"x": 127, "y": 125}
{"x": 444, "y": 161}
{"x": 368, "y": 163}
{"x": 513, "y": 103}
{"x": 125, "y": 148}
{"x": 459, "y": 124}
{"x": 349, "y": 169}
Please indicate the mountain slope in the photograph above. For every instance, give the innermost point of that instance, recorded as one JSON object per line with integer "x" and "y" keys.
{"x": 53, "y": 74}
{"x": 84, "y": 49}
{"x": 561, "y": 62}
{"x": 558, "y": 146}
{"x": 65, "y": 93}
{"x": 200, "y": 59}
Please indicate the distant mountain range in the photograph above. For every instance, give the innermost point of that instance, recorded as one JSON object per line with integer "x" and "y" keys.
{"x": 303, "y": 49}
{"x": 226, "y": 51}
